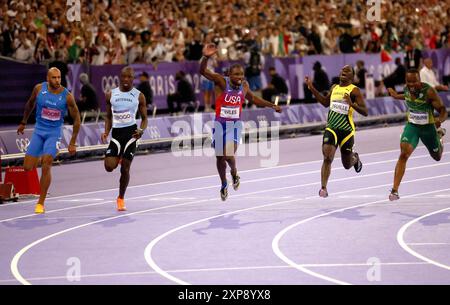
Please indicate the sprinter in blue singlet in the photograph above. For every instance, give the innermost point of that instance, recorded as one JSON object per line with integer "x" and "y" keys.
{"x": 52, "y": 102}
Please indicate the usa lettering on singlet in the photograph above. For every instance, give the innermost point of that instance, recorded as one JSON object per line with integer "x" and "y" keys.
{"x": 124, "y": 106}
{"x": 50, "y": 108}
{"x": 229, "y": 103}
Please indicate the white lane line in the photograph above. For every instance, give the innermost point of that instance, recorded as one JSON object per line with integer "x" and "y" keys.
{"x": 152, "y": 244}
{"x": 113, "y": 274}
{"x": 280, "y": 254}
{"x": 209, "y": 176}
{"x": 16, "y": 258}
{"x": 404, "y": 245}
{"x": 243, "y": 182}
{"x": 427, "y": 244}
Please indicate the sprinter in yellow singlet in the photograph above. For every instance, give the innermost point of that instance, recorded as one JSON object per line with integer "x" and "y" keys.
{"x": 340, "y": 129}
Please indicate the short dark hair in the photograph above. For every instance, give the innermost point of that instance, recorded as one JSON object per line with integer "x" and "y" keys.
{"x": 234, "y": 66}
{"x": 413, "y": 71}
{"x": 145, "y": 74}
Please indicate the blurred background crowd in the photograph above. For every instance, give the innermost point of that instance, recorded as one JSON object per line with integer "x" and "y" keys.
{"x": 126, "y": 31}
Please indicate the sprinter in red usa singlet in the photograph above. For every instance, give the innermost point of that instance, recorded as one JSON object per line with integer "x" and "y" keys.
{"x": 227, "y": 124}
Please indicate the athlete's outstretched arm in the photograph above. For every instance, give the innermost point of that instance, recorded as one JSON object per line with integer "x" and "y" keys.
{"x": 29, "y": 106}
{"x": 208, "y": 51}
{"x": 359, "y": 105}
{"x": 108, "y": 117}
{"x": 257, "y": 100}
{"x": 144, "y": 121}
{"x": 395, "y": 95}
{"x": 438, "y": 105}
{"x": 324, "y": 100}
{"x": 75, "y": 114}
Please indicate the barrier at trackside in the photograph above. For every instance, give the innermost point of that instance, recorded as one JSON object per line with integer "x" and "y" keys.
{"x": 17, "y": 79}
{"x": 168, "y": 127}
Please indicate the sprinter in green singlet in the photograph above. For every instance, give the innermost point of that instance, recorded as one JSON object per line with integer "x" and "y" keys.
{"x": 421, "y": 100}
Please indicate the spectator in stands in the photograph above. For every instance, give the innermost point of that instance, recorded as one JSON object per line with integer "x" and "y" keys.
{"x": 427, "y": 75}
{"x": 397, "y": 77}
{"x": 276, "y": 86}
{"x": 346, "y": 43}
{"x": 360, "y": 75}
{"x": 23, "y": 48}
{"x": 413, "y": 56}
{"x": 321, "y": 80}
{"x": 207, "y": 86}
{"x": 254, "y": 63}
{"x": 88, "y": 96}
{"x": 144, "y": 87}
{"x": 184, "y": 93}
{"x": 75, "y": 50}
{"x": 41, "y": 53}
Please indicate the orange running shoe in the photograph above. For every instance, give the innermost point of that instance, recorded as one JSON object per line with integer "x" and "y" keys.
{"x": 121, "y": 204}
{"x": 39, "y": 209}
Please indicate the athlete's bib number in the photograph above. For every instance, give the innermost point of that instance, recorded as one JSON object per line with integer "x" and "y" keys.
{"x": 340, "y": 107}
{"x": 51, "y": 114}
{"x": 230, "y": 112}
{"x": 122, "y": 117}
{"x": 419, "y": 118}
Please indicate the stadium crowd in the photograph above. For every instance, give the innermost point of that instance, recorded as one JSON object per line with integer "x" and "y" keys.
{"x": 127, "y": 31}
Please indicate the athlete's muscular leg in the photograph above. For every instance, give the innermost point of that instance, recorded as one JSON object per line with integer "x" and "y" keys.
{"x": 124, "y": 177}
{"x": 111, "y": 163}
{"x": 30, "y": 162}
{"x": 46, "y": 177}
{"x": 221, "y": 168}
{"x": 231, "y": 160}
{"x": 328, "y": 152}
{"x": 406, "y": 150}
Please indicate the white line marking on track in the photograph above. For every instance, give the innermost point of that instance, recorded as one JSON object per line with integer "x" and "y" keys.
{"x": 15, "y": 261}
{"x": 210, "y": 176}
{"x": 112, "y": 274}
{"x": 404, "y": 245}
{"x": 279, "y": 253}
{"x": 427, "y": 244}
{"x": 152, "y": 244}
{"x": 243, "y": 182}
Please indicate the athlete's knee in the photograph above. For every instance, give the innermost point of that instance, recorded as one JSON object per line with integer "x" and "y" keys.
{"x": 109, "y": 167}
{"x": 327, "y": 158}
{"x": 46, "y": 168}
{"x": 404, "y": 156}
{"x": 347, "y": 165}
{"x": 28, "y": 167}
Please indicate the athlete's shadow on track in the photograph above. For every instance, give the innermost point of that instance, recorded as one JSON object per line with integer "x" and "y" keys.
{"x": 350, "y": 214}
{"x": 32, "y": 223}
{"x": 227, "y": 222}
{"x": 434, "y": 220}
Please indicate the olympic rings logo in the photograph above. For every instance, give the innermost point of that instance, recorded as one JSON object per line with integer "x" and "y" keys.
{"x": 22, "y": 144}
{"x": 154, "y": 132}
{"x": 109, "y": 83}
